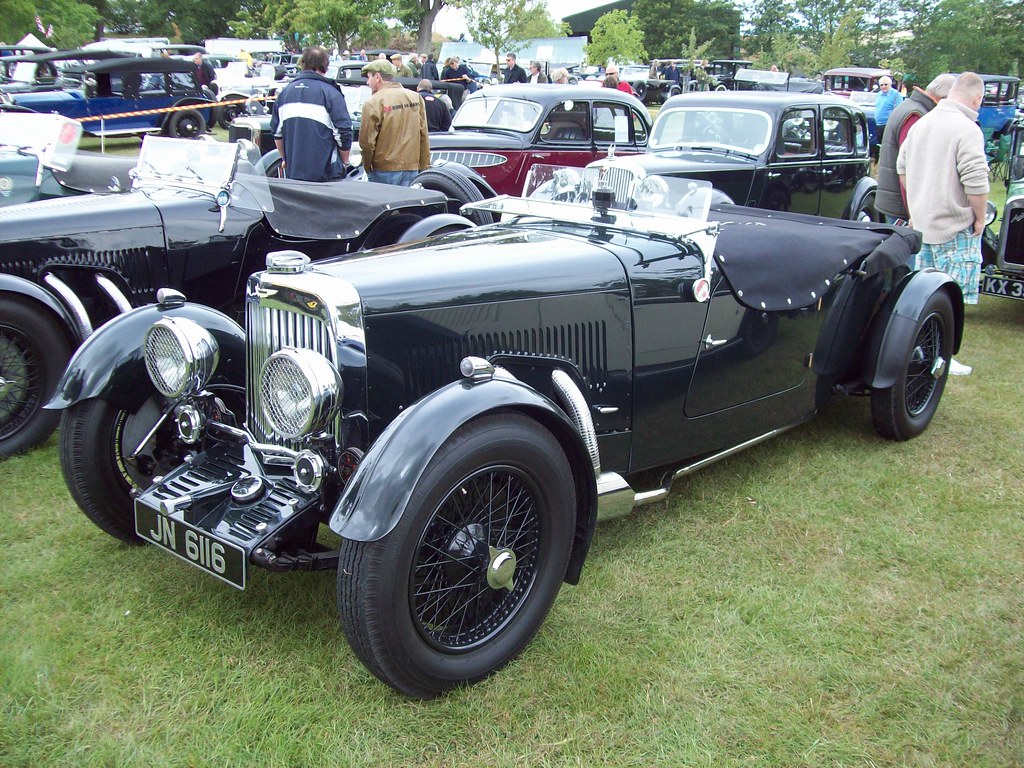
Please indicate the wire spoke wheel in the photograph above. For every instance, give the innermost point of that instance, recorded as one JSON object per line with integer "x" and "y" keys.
{"x": 921, "y": 381}
{"x": 488, "y": 522}
{"x": 20, "y": 377}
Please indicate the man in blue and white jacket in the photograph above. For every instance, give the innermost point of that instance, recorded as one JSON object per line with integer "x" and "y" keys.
{"x": 311, "y": 124}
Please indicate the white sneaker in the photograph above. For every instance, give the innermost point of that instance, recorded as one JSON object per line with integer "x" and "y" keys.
{"x": 959, "y": 369}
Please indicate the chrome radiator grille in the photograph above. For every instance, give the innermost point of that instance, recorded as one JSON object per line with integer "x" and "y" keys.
{"x": 268, "y": 330}
{"x": 620, "y": 180}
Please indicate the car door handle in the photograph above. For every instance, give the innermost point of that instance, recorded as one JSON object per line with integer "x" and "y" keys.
{"x": 710, "y": 342}
{"x": 774, "y": 174}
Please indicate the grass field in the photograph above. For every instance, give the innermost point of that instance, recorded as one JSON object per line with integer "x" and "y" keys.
{"x": 825, "y": 599}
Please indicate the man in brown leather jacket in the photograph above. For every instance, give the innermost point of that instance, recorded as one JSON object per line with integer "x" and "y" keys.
{"x": 393, "y": 129}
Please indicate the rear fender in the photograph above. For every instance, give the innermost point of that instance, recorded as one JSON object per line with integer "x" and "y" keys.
{"x": 19, "y": 286}
{"x": 377, "y": 495}
{"x": 111, "y": 365}
{"x": 894, "y": 327}
{"x": 865, "y": 186}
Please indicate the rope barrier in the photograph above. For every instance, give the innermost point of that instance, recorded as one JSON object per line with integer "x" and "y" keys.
{"x": 181, "y": 108}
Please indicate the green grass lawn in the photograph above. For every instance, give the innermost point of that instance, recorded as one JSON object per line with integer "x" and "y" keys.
{"x": 825, "y": 599}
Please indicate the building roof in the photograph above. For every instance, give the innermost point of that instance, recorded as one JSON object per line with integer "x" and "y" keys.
{"x": 582, "y": 23}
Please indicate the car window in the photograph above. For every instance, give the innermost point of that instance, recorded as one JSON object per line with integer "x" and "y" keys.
{"x": 605, "y": 115}
{"x": 838, "y": 131}
{"x": 746, "y": 130}
{"x": 567, "y": 122}
{"x": 860, "y": 137}
{"x": 797, "y": 136}
{"x": 487, "y": 112}
{"x": 639, "y": 127}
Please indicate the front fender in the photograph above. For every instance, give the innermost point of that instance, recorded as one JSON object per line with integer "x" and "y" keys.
{"x": 22, "y": 287}
{"x": 377, "y": 495}
{"x": 895, "y": 326}
{"x": 268, "y": 160}
{"x": 111, "y": 365}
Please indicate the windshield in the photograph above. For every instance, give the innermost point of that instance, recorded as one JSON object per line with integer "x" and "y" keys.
{"x": 51, "y": 138}
{"x": 488, "y": 112}
{"x": 744, "y": 130}
{"x": 208, "y": 166}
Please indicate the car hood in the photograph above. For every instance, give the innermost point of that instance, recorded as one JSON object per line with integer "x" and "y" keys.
{"x": 477, "y": 140}
{"x": 679, "y": 162}
{"x": 478, "y": 266}
{"x": 78, "y": 215}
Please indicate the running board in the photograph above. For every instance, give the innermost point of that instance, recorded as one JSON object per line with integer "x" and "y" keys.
{"x": 615, "y": 497}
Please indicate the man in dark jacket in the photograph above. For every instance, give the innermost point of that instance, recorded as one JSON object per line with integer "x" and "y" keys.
{"x": 430, "y": 69}
{"x": 513, "y": 72}
{"x": 438, "y": 117}
{"x": 889, "y": 197}
{"x": 311, "y": 124}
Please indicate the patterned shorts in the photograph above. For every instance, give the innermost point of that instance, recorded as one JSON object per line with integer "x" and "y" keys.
{"x": 960, "y": 258}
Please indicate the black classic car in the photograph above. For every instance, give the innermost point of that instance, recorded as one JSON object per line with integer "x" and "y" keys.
{"x": 1003, "y": 251}
{"x": 504, "y": 130}
{"x": 200, "y": 218}
{"x": 795, "y": 152}
{"x": 39, "y": 160}
{"x": 462, "y": 410}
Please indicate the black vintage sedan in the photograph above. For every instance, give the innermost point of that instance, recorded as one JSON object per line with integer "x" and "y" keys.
{"x": 461, "y": 411}
{"x": 200, "y": 218}
{"x": 797, "y": 152}
{"x": 502, "y": 131}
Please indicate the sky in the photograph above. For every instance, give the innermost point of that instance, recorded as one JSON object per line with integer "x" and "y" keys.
{"x": 451, "y": 22}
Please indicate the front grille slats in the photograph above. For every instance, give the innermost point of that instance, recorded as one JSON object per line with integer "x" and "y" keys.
{"x": 271, "y": 329}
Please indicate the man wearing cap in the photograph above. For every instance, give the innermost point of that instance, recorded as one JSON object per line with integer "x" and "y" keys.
{"x": 393, "y": 131}
{"x": 311, "y": 124}
{"x": 438, "y": 117}
{"x": 401, "y": 70}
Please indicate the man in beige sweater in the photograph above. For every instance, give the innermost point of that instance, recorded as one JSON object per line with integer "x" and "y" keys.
{"x": 942, "y": 166}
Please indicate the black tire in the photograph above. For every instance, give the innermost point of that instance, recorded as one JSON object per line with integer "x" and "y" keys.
{"x": 674, "y": 90}
{"x": 905, "y": 409}
{"x": 866, "y": 211}
{"x": 456, "y": 187}
{"x": 187, "y": 124}
{"x": 229, "y": 113}
{"x": 640, "y": 89}
{"x": 34, "y": 351}
{"x": 454, "y": 531}
{"x": 275, "y": 169}
{"x": 95, "y": 440}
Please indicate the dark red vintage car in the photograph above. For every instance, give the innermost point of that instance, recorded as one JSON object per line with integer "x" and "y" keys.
{"x": 504, "y": 130}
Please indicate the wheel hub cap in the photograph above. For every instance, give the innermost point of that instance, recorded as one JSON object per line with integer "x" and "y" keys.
{"x": 938, "y": 367}
{"x": 501, "y": 570}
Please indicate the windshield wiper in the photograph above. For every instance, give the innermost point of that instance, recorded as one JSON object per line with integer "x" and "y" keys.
{"x": 710, "y": 148}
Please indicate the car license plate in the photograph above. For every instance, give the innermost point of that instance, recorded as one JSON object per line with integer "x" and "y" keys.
{"x": 219, "y": 558}
{"x": 1002, "y": 286}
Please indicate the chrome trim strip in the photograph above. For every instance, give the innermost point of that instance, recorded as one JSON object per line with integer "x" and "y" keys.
{"x": 119, "y": 299}
{"x": 579, "y": 411}
{"x": 74, "y": 304}
{"x": 647, "y": 497}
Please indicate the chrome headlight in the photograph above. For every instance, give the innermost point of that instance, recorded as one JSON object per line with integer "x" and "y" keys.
{"x": 990, "y": 212}
{"x": 300, "y": 391}
{"x": 181, "y": 356}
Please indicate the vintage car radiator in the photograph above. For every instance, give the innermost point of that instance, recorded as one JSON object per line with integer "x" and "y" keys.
{"x": 270, "y": 329}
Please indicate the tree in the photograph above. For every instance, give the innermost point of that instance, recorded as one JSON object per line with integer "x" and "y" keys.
{"x": 500, "y": 24}
{"x": 788, "y": 53}
{"x": 73, "y": 22}
{"x": 821, "y": 19}
{"x": 16, "y": 20}
{"x": 961, "y": 35}
{"x": 715, "y": 21}
{"x": 836, "y": 47}
{"x": 420, "y": 15}
{"x": 768, "y": 19}
{"x": 336, "y": 22}
{"x": 616, "y": 36}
